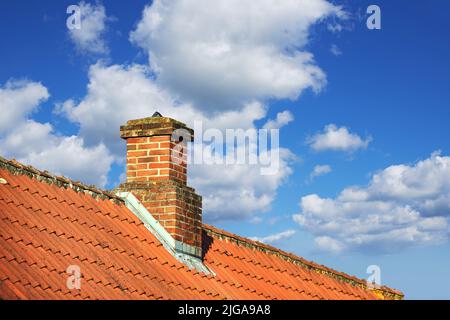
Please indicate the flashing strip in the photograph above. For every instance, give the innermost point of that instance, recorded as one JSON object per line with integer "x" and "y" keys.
{"x": 184, "y": 253}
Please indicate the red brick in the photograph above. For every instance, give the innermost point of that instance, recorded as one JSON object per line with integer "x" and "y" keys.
{"x": 160, "y": 138}
{"x": 164, "y": 158}
{"x": 158, "y": 165}
{"x": 166, "y": 145}
{"x": 142, "y": 166}
{"x": 164, "y": 171}
{"x": 140, "y": 179}
{"x": 137, "y": 140}
{"x": 135, "y": 154}
{"x": 148, "y": 146}
{"x": 146, "y": 173}
{"x": 163, "y": 152}
{"x": 144, "y": 160}
{"x": 131, "y": 147}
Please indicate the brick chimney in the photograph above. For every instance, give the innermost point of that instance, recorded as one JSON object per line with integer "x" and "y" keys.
{"x": 157, "y": 176}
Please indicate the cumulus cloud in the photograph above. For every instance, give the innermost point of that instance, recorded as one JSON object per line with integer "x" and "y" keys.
{"x": 215, "y": 62}
{"x": 120, "y": 93}
{"x": 319, "y": 170}
{"x": 89, "y": 38}
{"x": 282, "y": 119}
{"x": 19, "y": 98}
{"x": 340, "y": 139}
{"x": 210, "y": 61}
{"x": 37, "y": 144}
{"x": 69, "y": 156}
{"x": 402, "y": 206}
{"x": 275, "y": 237}
{"x": 227, "y": 195}
{"x": 220, "y": 54}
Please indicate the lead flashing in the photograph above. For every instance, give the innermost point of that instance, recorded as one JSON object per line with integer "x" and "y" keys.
{"x": 186, "y": 254}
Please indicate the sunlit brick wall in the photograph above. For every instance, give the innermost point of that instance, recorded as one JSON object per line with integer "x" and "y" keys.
{"x": 157, "y": 176}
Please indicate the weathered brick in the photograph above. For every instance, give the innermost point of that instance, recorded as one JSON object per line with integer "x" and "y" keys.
{"x": 139, "y": 179}
{"x": 146, "y": 146}
{"x": 160, "y": 138}
{"x": 157, "y": 175}
{"x": 137, "y": 140}
{"x": 143, "y": 160}
{"x": 131, "y": 147}
{"x": 145, "y": 173}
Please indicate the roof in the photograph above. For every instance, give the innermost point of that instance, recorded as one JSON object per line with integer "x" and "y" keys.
{"x": 49, "y": 223}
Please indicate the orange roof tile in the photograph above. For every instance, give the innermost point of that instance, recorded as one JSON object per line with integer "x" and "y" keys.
{"x": 48, "y": 223}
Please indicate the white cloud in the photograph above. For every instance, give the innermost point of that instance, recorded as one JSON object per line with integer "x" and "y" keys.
{"x": 17, "y": 99}
{"x": 328, "y": 244}
{"x": 216, "y": 66}
{"x": 117, "y": 94}
{"x": 211, "y": 65}
{"x": 282, "y": 119}
{"x": 334, "y": 49}
{"x": 69, "y": 156}
{"x": 89, "y": 37}
{"x": 403, "y": 205}
{"x": 220, "y": 54}
{"x": 320, "y": 170}
{"x": 35, "y": 143}
{"x": 227, "y": 195}
{"x": 275, "y": 237}
{"x": 334, "y": 138}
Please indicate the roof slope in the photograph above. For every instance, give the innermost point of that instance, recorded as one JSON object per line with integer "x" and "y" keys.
{"x": 48, "y": 223}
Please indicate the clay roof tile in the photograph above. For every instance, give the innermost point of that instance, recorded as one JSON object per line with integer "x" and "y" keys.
{"x": 48, "y": 223}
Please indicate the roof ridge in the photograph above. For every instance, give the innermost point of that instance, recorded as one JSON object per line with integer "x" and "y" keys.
{"x": 17, "y": 168}
{"x": 386, "y": 291}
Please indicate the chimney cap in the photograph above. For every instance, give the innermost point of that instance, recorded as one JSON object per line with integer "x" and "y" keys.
{"x": 155, "y": 125}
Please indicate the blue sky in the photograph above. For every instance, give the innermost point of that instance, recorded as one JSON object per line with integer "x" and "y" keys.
{"x": 386, "y": 94}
